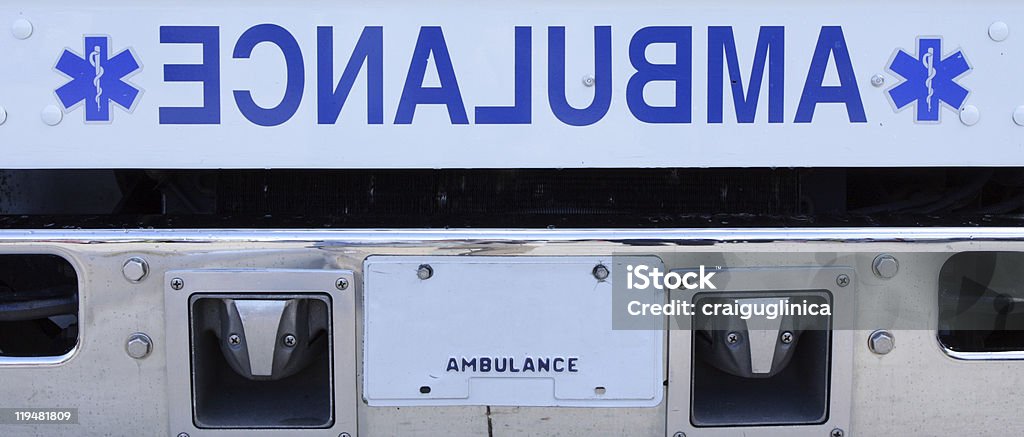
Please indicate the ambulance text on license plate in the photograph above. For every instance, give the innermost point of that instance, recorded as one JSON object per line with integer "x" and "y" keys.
{"x": 528, "y": 331}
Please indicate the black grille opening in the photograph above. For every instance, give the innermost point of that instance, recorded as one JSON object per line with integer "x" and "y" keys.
{"x": 980, "y": 299}
{"x": 38, "y": 306}
{"x": 512, "y": 198}
{"x": 509, "y": 192}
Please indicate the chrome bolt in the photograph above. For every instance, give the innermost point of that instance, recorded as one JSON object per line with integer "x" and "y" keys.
{"x": 289, "y": 340}
{"x": 344, "y": 434}
{"x": 877, "y": 80}
{"x": 881, "y": 342}
{"x": 21, "y": 29}
{"x": 138, "y": 346}
{"x": 842, "y": 280}
{"x": 234, "y": 340}
{"x": 425, "y": 272}
{"x": 3, "y": 115}
{"x": 341, "y": 283}
{"x": 732, "y": 338}
{"x": 600, "y": 272}
{"x": 787, "y": 337}
{"x": 182, "y": 434}
{"x": 837, "y": 433}
{"x": 885, "y": 266}
{"x": 135, "y": 269}
{"x": 679, "y": 434}
{"x": 177, "y": 284}
{"x": 589, "y": 80}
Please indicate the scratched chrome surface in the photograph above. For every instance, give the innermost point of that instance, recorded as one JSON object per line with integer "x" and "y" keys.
{"x": 918, "y": 389}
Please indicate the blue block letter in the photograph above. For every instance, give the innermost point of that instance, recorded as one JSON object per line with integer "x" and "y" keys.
{"x": 208, "y": 73}
{"x": 431, "y": 41}
{"x": 602, "y": 77}
{"x": 370, "y": 51}
{"x": 520, "y": 112}
{"x": 831, "y": 42}
{"x": 680, "y": 72}
{"x": 294, "y": 84}
{"x": 721, "y": 42}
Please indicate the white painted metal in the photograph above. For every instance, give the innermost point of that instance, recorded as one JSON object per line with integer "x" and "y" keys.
{"x": 480, "y": 39}
{"x": 496, "y": 308}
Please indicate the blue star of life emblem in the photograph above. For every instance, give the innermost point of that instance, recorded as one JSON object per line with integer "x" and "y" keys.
{"x": 929, "y": 79}
{"x": 98, "y": 79}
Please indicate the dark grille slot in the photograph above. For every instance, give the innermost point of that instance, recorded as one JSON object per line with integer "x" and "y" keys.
{"x": 513, "y": 198}
{"x": 38, "y": 306}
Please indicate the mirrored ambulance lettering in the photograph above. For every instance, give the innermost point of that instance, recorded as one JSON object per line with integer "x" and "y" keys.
{"x": 764, "y": 78}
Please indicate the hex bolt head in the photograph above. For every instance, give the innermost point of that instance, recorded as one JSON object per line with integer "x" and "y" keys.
{"x": 732, "y": 338}
{"x": 885, "y": 266}
{"x": 837, "y": 433}
{"x": 177, "y": 284}
{"x": 425, "y": 272}
{"x": 600, "y": 272}
{"x": 786, "y": 337}
{"x": 881, "y": 342}
{"x": 138, "y": 346}
{"x": 843, "y": 280}
{"x": 234, "y": 340}
{"x": 341, "y": 284}
{"x": 877, "y": 80}
{"x": 135, "y": 269}
{"x": 21, "y": 29}
{"x": 289, "y": 340}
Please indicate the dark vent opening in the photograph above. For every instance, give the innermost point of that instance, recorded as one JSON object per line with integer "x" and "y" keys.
{"x": 512, "y": 198}
{"x": 38, "y": 306}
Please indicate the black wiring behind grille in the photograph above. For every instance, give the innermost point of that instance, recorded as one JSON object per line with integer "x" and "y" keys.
{"x": 499, "y": 198}
{"x": 519, "y": 192}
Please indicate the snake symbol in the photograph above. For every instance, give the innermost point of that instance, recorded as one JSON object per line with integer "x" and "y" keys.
{"x": 929, "y": 63}
{"x": 94, "y": 60}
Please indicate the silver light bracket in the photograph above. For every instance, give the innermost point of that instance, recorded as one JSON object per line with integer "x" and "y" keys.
{"x": 771, "y": 282}
{"x": 258, "y": 289}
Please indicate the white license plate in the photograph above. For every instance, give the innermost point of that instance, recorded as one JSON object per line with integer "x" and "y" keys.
{"x": 527, "y": 331}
